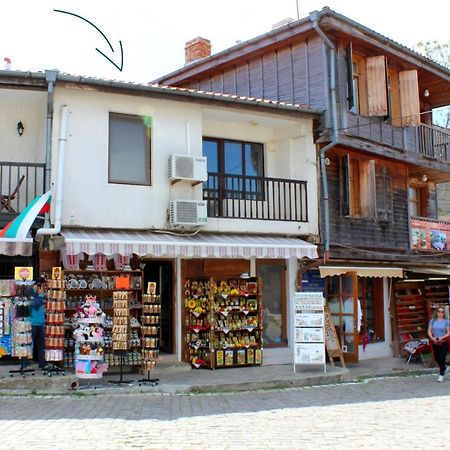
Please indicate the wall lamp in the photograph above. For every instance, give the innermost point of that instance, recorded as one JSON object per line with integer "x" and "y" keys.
{"x": 20, "y": 128}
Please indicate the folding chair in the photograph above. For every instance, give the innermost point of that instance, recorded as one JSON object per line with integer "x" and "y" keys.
{"x": 7, "y": 199}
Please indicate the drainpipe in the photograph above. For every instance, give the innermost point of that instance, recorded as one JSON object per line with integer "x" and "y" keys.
{"x": 50, "y": 77}
{"x": 314, "y": 17}
{"x": 60, "y": 177}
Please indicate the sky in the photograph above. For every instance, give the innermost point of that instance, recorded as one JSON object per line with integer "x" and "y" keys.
{"x": 153, "y": 33}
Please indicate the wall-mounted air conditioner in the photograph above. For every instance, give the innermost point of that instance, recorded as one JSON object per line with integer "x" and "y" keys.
{"x": 187, "y": 167}
{"x": 188, "y": 213}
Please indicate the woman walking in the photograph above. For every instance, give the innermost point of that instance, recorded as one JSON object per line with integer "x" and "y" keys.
{"x": 439, "y": 332}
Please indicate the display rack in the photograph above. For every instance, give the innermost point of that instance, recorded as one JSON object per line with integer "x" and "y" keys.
{"x": 104, "y": 284}
{"x": 54, "y": 328}
{"x": 150, "y": 319}
{"x": 223, "y": 322}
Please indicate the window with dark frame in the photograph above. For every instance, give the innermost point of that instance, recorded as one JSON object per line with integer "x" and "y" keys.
{"x": 370, "y": 294}
{"x": 129, "y": 153}
{"x": 417, "y": 204}
{"x": 235, "y": 168}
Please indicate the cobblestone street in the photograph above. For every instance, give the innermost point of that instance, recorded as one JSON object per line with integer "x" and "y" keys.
{"x": 409, "y": 412}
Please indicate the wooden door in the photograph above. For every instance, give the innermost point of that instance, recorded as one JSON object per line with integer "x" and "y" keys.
{"x": 342, "y": 300}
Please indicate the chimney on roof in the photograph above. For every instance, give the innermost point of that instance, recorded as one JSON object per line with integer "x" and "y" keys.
{"x": 283, "y": 22}
{"x": 196, "y": 49}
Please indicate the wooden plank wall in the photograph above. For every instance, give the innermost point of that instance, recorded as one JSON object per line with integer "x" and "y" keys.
{"x": 293, "y": 74}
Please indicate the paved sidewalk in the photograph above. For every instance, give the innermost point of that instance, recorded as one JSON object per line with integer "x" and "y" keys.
{"x": 181, "y": 379}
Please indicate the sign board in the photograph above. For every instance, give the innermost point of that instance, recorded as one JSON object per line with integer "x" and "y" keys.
{"x": 309, "y": 338}
{"x": 331, "y": 339}
{"x": 312, "y": 281}
{"x": 23, "y": 273}
{"x": 427, "y": 235}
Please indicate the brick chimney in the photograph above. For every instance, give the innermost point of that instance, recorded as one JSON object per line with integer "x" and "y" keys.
{"x": 196, "y": 49}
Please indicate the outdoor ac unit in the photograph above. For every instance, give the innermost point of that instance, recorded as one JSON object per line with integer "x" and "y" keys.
{"x": 187, "y": 167}
{"x": 188, "y": 213}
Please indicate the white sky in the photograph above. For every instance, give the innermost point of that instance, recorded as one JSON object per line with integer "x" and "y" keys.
{"x": 153, "y": 32}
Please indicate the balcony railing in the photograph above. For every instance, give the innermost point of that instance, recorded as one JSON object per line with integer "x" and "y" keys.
{"x": 260, "y": 198}
{"x": 19, "y": 184}
{"x": 429, "y": 234}
{"x": 434, "y": 142}
{"x": 426, "y": 140}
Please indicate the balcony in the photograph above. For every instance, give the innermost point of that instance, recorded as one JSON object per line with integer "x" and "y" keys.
{"x": 256, "y": 198}
{"x": 425, "y": 140}
{"x": 19, "y": 183}
{"x": 429, "y": 234}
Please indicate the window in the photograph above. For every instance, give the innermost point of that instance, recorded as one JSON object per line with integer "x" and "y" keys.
{"x": 417, "y": 201}
{"x": 129, "y": 150}
{"x": 234, "y": 168}
{"x": 358, "y": 187}
{"x": 272, "y": 274}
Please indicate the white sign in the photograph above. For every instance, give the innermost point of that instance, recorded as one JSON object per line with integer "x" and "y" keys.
{"x": 309, "y": 320}
{"x": 309, "y": 335}
{"x": 309, "y": 301}
{"x": 309, "y": 354}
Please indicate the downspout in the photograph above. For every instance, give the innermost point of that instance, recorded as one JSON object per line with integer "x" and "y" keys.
{"x": 314, "y": 17}
{"x": 50, "y": 77}
{"x": 60, "y": 177}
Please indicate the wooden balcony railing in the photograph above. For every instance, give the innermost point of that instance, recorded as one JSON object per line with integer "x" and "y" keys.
{"x": 20, "y": 183}
{"x": 425, "y": 140}
{"x": 434, "y": 142}
{"x": 260, "y": 198}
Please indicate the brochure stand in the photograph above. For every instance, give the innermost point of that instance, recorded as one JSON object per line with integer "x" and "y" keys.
{"x": 309, "y": 329}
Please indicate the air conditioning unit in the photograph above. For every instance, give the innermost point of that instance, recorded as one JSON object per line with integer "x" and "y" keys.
{"x": 187, "y": 167}
{"x": 188, "y": 213}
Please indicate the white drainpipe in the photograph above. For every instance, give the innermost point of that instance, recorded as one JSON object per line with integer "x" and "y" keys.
{"x": 60, "y": 177}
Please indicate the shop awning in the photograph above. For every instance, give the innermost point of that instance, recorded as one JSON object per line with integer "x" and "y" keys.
{"x": 16, "y": 247}
{"x": 202, "y": 245}
{"x": 443, "y": 271}
{"x": 389, "y": 272}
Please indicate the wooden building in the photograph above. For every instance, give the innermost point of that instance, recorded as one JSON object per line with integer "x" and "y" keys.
{"x": 383, "y": 158}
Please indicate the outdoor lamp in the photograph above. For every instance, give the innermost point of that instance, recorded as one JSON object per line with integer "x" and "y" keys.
{"x": 20, "y": 128}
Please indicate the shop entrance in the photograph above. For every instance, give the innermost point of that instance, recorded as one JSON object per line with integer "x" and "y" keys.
{"x": 342, "y": 299}
{"x": 161, "y": 273}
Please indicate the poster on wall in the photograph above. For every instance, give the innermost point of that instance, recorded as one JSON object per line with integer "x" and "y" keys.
{"x": 309, "y": 320}
{"x": 427, "y": 235}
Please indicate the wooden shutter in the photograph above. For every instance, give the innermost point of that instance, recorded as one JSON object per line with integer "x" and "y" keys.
{"x": 409, "y": 98}
{"x": 345, "y": 185}
{"x": 377, "y": 86}
{"x": 394, "y": 95}
{"x": 367, "y": 188}
{"x": 384, "y": 196}
{"x": 350, "y": 93}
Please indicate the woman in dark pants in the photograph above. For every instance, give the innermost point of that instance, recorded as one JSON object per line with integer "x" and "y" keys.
{"x": 38, "y": 321}
{"x": 439, "y": 332}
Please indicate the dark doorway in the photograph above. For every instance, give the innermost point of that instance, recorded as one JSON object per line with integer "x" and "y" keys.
{"x": 161, "y": 272}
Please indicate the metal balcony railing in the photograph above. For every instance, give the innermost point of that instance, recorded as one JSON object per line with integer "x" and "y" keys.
{"x": 260, "y": 198}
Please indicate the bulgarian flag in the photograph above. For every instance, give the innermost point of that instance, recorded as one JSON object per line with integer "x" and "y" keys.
{"x": 18, "y": 228}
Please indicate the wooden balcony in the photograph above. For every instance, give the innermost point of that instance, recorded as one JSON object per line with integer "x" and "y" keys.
{"x": 20, "y": 183}
{"x": 424, "y": 140}
{"x": 429, "y": 234}
{"x": 257, "y": 198}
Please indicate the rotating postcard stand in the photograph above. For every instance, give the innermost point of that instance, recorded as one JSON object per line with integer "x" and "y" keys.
{"x": 22, "y": 346}
{"x": 89, "y": 348}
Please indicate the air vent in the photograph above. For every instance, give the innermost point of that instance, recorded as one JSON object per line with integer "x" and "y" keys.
{"x": 188, "y": 213}
{"x": 186, "y": 167}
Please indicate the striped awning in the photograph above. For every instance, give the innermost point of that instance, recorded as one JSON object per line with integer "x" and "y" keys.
{"x": 16, "y": 247}
{"x": 365, "y": 271}
{"x": 202, "y": 245}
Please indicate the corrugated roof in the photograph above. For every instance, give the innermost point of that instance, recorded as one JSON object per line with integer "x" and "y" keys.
{"x": 155, "y": 88}
{"x": 291, "y": 26}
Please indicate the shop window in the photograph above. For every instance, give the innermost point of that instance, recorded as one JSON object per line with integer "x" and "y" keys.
{"x": 129, "y": 150}
{"x": 234, "y": 168}
{"x": 272, "y": 274}
{"x": 370, "y": 294}
{"x": 357, "y": 187}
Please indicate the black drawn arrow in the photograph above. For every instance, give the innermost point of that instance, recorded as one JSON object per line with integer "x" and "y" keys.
{"x": 119, "y": 67}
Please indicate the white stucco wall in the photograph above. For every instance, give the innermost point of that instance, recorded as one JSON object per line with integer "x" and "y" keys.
{"x": 30, "y": 108}
{"x": 90, "y": 201}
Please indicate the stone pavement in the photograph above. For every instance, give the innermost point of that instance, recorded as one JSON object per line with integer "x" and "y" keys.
{"x": 404, "y": 412}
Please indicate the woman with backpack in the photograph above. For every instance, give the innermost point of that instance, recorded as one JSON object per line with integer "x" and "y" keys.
{"x": 439, "y": 332}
